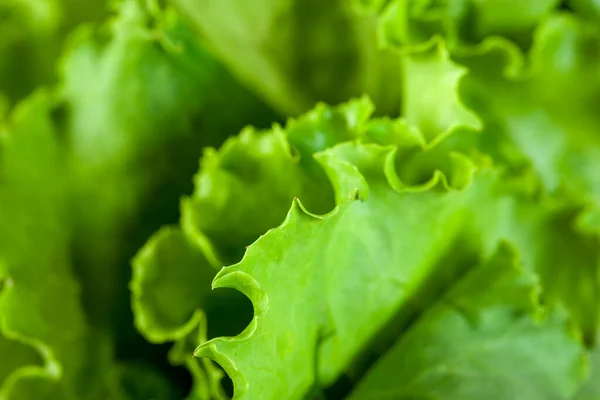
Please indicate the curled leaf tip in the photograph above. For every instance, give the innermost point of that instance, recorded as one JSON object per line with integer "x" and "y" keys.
{"x": 244, "y": 283}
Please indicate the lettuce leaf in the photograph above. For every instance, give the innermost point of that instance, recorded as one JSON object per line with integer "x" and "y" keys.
{"x": 122, "y": 120}
{"x": 552, "y": 127}
{"x": 488, "y": 336}
{"x": 419, "y": 189}
{"x": 548, "y": 114}
{"x": 444, "y": 230}
{"x": 430, "y": 74}
{"x": 241, "y": 192}
{"x": 168, "y": 303}
{"x": 39, "y": 301}
{"x": 464, "y": 23}
{"x": 296, "y": 53}
{"x": 31, "y": 37}
{"x": 330, "y": 259}
{"x": 586, "y": 8}
{"x": 591, "y": 389}
{"x": 86, "y": 146}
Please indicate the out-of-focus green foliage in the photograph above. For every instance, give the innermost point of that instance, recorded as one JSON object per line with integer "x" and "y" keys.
{"x": 298, "y": 52}
{"x": 83, "y": 166}
{"x": 32, "y": 33}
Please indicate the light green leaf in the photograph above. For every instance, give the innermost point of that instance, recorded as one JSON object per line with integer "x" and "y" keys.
{"x": 28, "y": 45}
{"x": 463, "y": 23}
{"x": 548, "y": 120}
{"x": 590, "y": 390}
{"x": 486, "y": 338}
{"x": 16, "y": 359}
{"x": 550, "y": 115}
{"x": 31, "y": 36}
{"x": 298, "y": 52}
{"x": 164, "y": 308}
{"x": 241, "y": 191}
{"x": 135, "y": 105}
{"x": 586, "y": 8}
{"x": 139, "y": 101}
{"x": 39, "y": 303}
{"x": 359, "y": 250}
{"x": 432, "y": 78}
{"x": 207, "y": 377}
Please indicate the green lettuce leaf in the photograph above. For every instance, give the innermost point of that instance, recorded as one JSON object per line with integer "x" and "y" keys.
{"x": 549, "y": 114}
{"x": 431, "y": 77}
{"x": 39, "y": 301}
{"x": 245, "y": 176}
{"x": 325, "y": 258}
{"x": 31, "y": 37}
{"x": 28, "y": 44}
{"x": 168, "y": 303}
{"x": 586, "y": 8}
{"x": 241, "y": 191}
{"x": 452, "y": 251}
{"x": 464, "y": 23}
{"x": 135, "y": 105}
{"x": 547, "y": 120}
{"x": 330, "y": 259}
{"x": 139, "y": 101}
{"x": 590, "y": 390}
{"x": 166, "y": 311}
{"x": 488, "y": 337}
{"x": 296, "y": 53}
